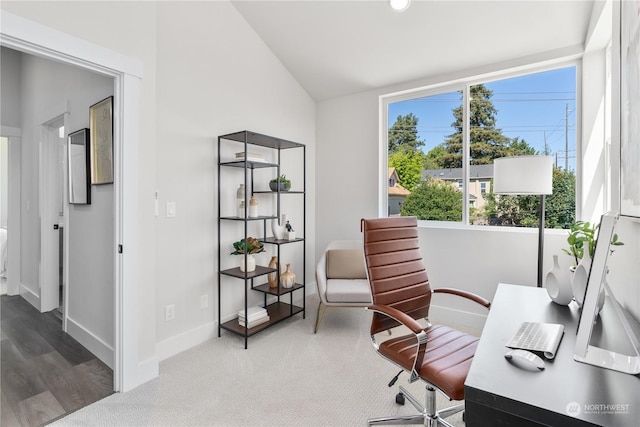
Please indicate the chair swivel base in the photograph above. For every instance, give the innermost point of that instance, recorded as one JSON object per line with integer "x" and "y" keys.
{"x": 428, "y": 415}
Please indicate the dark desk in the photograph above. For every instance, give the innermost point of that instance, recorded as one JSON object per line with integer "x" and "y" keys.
{"x": 566, "y": 393}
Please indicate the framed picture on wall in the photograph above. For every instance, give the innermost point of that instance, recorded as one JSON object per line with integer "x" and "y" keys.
{"x": 78, "y": 167}
{"x": 630, "y": 108}
{"x": 101, "y": 123}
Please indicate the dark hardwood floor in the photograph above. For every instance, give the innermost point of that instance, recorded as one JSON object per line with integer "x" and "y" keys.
{"x": 45, "y": 372}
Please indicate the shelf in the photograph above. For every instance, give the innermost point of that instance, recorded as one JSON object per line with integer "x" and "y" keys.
{"x": 275, "y": 192}
{"x": 250, "y": 164}
{"x": 259, "y": 271}
{"x": 274, "y": 241}
{"x": 239, "y": 218}
{"x": 261, "y": 140}
{"x": 277, "y": 312}
{"x": 277, "y": 291}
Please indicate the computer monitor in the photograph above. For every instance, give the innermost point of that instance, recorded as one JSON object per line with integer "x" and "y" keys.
{"x": 597, "y": 281}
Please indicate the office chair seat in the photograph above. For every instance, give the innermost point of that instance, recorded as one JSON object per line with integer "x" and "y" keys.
{"x": 447, "y": 358}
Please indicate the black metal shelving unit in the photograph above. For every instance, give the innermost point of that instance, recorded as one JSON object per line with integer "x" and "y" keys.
{"x": 256, "y": 280}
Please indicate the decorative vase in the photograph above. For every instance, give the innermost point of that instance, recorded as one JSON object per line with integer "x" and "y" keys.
{"x": 240, "y": 196}
{"x": 241, "y": 209}
{"x": 558, "y": 284}
{"x": 580, "y": 276}
{"x": 253, "y": 207}
{"x": 277, "y": 229}
{"x": 288, "y": 278}
{"x": 278, "y": 186}
{"x": 272, "y": 278}
{"x": 251, "y": 263}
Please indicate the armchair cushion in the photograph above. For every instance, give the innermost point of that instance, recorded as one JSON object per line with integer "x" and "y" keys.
{"x": 354, "y": 291}
{"x": 346, "y": 264}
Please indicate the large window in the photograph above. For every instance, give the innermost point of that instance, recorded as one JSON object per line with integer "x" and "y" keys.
{"x": 441, "y": 147}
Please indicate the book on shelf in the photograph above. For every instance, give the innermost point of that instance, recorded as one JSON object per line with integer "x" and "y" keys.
{"x": 253, "y": 323}
{"x": 253, "y": 313}
{"x": 252, "y": 157}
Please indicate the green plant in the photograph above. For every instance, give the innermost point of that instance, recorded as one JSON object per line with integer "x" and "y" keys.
{"x": 251, "y": 246}
{"x": 582, "y": 234}
{"x": 283, "y": 179}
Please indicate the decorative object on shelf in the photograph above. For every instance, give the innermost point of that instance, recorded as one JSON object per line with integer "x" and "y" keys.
{"x": 558, "y": 283}
{"x": 290, "y": 232}
{"x": 277, "y": 229}
{"x": 249, "y": 247}
{"x": 240, "y": 200}
{"x": 272, "y": 278}
{"x": 255, "y": 316}
{"x": 253, "y": 207}
{"x": 250, "y": 157}
{"x": 280, "y": 183}
{"x": 241, "y": 210}
{"x": 288, "y": 278}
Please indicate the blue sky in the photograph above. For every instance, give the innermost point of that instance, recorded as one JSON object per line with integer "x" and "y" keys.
{"x": 531, "y": 107}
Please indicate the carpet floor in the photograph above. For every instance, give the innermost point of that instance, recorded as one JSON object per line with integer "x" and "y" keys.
{"x": 289, "y": 376}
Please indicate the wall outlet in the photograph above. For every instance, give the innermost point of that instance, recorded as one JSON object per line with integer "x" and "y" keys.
{"x": 204, "y": 301}
{"x": 170, "y": 312}
{"x": 171, "y": 209}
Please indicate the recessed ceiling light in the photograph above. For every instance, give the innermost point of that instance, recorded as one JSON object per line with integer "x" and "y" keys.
{"x": 399, "y": 5}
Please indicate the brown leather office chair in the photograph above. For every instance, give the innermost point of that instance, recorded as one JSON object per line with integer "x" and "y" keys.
{"x": 439, "y": 355}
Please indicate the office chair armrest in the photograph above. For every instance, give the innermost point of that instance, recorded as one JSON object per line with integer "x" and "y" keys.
{"x": 397, "y": 315}
{"x": 468, "y": 295}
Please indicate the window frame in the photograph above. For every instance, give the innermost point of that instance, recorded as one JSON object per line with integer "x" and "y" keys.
{"x": 463, "y": 85}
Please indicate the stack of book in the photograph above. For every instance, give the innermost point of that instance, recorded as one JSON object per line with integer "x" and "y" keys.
{"x": 255, "y": 316}
{"x": 251, "y": 157}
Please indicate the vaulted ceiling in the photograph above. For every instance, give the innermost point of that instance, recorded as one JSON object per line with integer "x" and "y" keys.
{"x": 335, "y": 48}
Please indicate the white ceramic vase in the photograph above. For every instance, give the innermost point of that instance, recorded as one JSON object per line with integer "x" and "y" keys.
{"x": 558, "y": 284}
{"x": 278, "y": 229}
{"x": 251, "y": 263}
{"x": 580, "y": 276}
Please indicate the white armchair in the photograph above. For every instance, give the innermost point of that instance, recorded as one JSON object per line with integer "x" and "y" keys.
{"x": 341, "y": 277}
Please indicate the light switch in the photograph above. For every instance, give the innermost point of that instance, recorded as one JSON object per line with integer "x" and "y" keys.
{"x": 171, "y": 209}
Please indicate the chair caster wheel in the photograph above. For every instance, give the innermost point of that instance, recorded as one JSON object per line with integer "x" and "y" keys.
{"x": 400, "y": 399}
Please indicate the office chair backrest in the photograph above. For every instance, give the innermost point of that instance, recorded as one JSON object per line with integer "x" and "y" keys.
{"x": 397, "y": 275}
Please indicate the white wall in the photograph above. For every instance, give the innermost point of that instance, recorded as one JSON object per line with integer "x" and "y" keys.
{"x": 470, "y": 258}
{"x": 206, "y": 73}
{"x": 10, "y": 106}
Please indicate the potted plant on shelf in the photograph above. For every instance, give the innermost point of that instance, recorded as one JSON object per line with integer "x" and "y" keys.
{"x": 280, "y": 183}
{"x": 249, "y": 247}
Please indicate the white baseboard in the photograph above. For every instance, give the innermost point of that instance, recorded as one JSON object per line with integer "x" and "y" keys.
{"x": 143, "y": 372}
{"x": 452, "y": 316}
{"x": 184, "y": 341}
{"x": 91, "y": 342}
{"x": 30, "y": 296}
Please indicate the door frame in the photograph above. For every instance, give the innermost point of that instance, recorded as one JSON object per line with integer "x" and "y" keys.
{"x": 33, "y": 38}
{"x": 13, "y": 211}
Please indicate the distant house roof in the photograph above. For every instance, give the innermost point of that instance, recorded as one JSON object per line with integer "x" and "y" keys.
{"x": 396, "y": 189}
{"x": 475, "y": 172}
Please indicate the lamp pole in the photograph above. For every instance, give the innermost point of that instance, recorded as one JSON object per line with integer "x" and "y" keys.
{"x": 540, "y": 240}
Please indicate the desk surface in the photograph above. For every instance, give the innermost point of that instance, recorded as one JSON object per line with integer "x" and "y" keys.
{"x": 566, "y": 393}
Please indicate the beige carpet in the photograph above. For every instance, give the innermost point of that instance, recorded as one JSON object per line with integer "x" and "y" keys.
{"x": 287, "y": 377}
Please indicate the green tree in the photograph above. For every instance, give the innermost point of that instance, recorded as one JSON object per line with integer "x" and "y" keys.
{"x": 404, "y": 134}
{"x": 520, "y": 147}
{"x": 486, "y": 141}
{"x": 434, "y": 158}
{"x": 409, "y": 164}
{"x": 434, "y": 199}
{"x": 524, "y": 210}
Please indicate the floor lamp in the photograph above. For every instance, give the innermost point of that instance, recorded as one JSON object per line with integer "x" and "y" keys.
{"x": 526, "y": 175}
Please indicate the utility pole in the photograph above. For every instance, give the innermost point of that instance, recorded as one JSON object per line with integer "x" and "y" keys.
{"x": 566, "y": 137}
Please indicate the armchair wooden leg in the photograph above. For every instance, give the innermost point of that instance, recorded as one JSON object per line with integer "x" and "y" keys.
{"x": 321, "y": 309}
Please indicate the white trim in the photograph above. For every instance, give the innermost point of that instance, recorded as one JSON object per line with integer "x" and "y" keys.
{"x": 30, "y": 296}
{"x": 91, "y": 342}
{"x": 30, "y": 37}
{"x": 186, "y": 340}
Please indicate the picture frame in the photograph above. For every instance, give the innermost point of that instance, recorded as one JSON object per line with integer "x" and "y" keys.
{"x": 78, "y": 162}
{"x": 630, "y": 108}
{"x": 101, "y": 124}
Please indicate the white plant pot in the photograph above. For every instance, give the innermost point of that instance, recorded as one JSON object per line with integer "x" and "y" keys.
{"x": 278, "y": 229}
{"x": 251, "y": 263}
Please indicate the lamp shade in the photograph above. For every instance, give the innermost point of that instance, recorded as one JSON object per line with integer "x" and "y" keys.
{"x": 523, "y": 175}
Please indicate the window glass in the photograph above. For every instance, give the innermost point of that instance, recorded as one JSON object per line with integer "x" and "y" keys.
{"x": 530, "y": 114}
